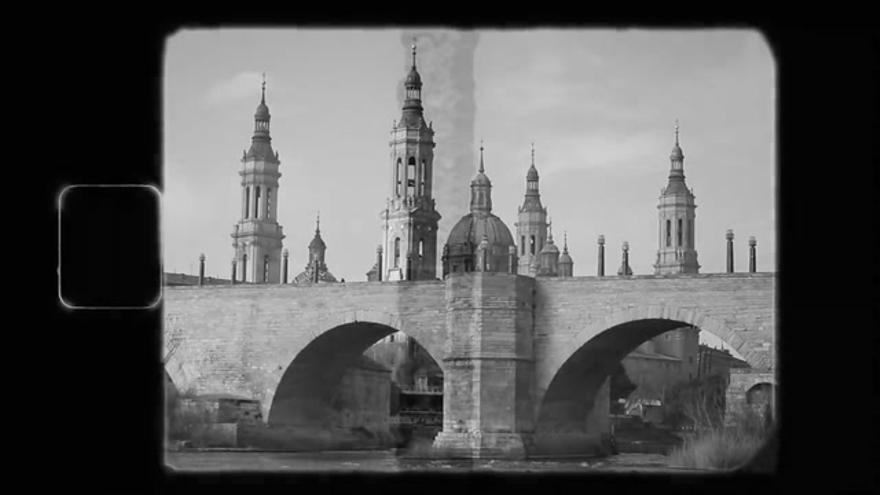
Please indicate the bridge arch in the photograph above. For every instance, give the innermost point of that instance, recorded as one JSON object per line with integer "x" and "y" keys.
{"x": 576, "y": 368}
{"x": 305, "y": 392}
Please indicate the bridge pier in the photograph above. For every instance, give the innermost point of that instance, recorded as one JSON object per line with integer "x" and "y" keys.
{"x": 489, "y": 367}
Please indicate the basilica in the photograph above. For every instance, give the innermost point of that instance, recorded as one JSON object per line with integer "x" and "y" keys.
{"x": 479, "y": 241}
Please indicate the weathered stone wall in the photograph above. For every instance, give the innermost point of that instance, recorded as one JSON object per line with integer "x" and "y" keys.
{"x": 489, "y": 366}
{"x": 739, "y": 308}
{"x": 241, "y": 339}
{"x": 363, "y": 399}
{"x": 501, "y": 340}
{"x": 741, "y": 381}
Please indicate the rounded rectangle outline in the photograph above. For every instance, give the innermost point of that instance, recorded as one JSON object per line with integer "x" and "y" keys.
{"x": 59, "y": 206}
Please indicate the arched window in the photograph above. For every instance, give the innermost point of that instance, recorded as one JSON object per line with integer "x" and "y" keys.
{"x": 247, "y": 202}
{"x": 268, "y": 202}
{"x": 397, "y": 252}
{"x": 678, "y": 233}
{"x": 421, "y": 248}
{"x": 522, "y": 245}
{"x": 531, "y": 244}
{"x": 257, "y": 202}
{"x": 398, "y": 171}
{"x": 668, "y": 233}
{"x": 411, "y": 177}
{"x": 422, "y": 175}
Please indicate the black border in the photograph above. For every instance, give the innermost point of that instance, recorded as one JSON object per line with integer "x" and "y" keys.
{"x": 99, "y": 382}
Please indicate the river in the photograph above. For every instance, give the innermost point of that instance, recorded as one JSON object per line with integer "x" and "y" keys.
{"x": 389, "y": 461}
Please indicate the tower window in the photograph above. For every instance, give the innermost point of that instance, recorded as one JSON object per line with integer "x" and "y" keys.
{"x": 421, "y": 247}
{"x": 247, "y": 202}
{"x": 532, "y": 244}
{"x": 397, "y": 252}
{"x": 268, "y": 202}
{"x": 679, "y": 232}
{"x": 266, "y": 268}
{"x": 411, "y": 177}
{"x": 668, "y": 233}
{"x": 522, "y": 245}
{"x": 257, "y": 202}
{"x": 397, "y": 173}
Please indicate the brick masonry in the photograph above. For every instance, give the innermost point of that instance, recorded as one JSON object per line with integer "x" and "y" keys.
{"x": 505, "y": 342}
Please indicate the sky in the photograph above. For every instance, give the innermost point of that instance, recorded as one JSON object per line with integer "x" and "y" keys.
{"x": 600, "y": 106}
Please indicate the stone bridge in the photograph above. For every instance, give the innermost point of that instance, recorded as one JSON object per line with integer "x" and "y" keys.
{"x": 525, "y": 360}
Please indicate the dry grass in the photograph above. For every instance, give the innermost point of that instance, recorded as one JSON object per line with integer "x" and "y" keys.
{"x": 722, "y": 448}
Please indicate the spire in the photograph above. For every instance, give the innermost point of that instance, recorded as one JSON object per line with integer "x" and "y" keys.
{"x": 549, "y": 231}
{"x": 676, "y": 156}
{"x": 565, "y": 242}
{"x": 533, "y": 153}
{"x": 317, "y": 246}
{"x": 481, "y": 189}
{"x": 412, "y": 105}
{"x": 676, "y": 183}
{"x": 261, "y": 148}
{"x": 414, "y": 53}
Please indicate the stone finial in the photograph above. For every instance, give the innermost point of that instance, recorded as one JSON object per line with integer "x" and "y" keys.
{"x": 752, "y": 255}
{"x": 202, "y": 257}
{"x": 601, "y": 240}
{"x": 729, "y": 237}
{"x": 379, "y": 249}
{"x": 625, "y": 270}
{"x": 285, "y": 253}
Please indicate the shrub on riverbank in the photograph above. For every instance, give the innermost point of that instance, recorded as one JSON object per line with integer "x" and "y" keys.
{"x": 723, "y": 448}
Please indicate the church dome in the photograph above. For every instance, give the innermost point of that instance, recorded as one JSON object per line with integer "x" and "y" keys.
{"x": 532, "y": 174}
{"x": 481, "y": 180}
{"x": 564, "y": 258}
{"x": 262, "y": 111}
{"x": 473, "y": 227}
{"x": 317, "y": 243}
{"x": 549, "y": 246}
{"x": 413, "y": 78}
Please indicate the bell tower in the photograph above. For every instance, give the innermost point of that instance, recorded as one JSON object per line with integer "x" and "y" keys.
{"x": 409, "y": 220}
{"x": 257, "y": 236}
{"x": 676, "y": 252}
{"x": 531, "y": 225}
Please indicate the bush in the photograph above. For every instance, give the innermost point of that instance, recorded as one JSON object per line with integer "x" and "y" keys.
{"x": 723, "y": 448}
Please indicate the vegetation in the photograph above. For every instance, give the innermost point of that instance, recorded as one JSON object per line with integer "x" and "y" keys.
{"x": 698, "y": 404}
{"x": 724, "y": 447}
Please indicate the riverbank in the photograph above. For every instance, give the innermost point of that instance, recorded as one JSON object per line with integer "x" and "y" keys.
{"x": 390, "y": 461}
